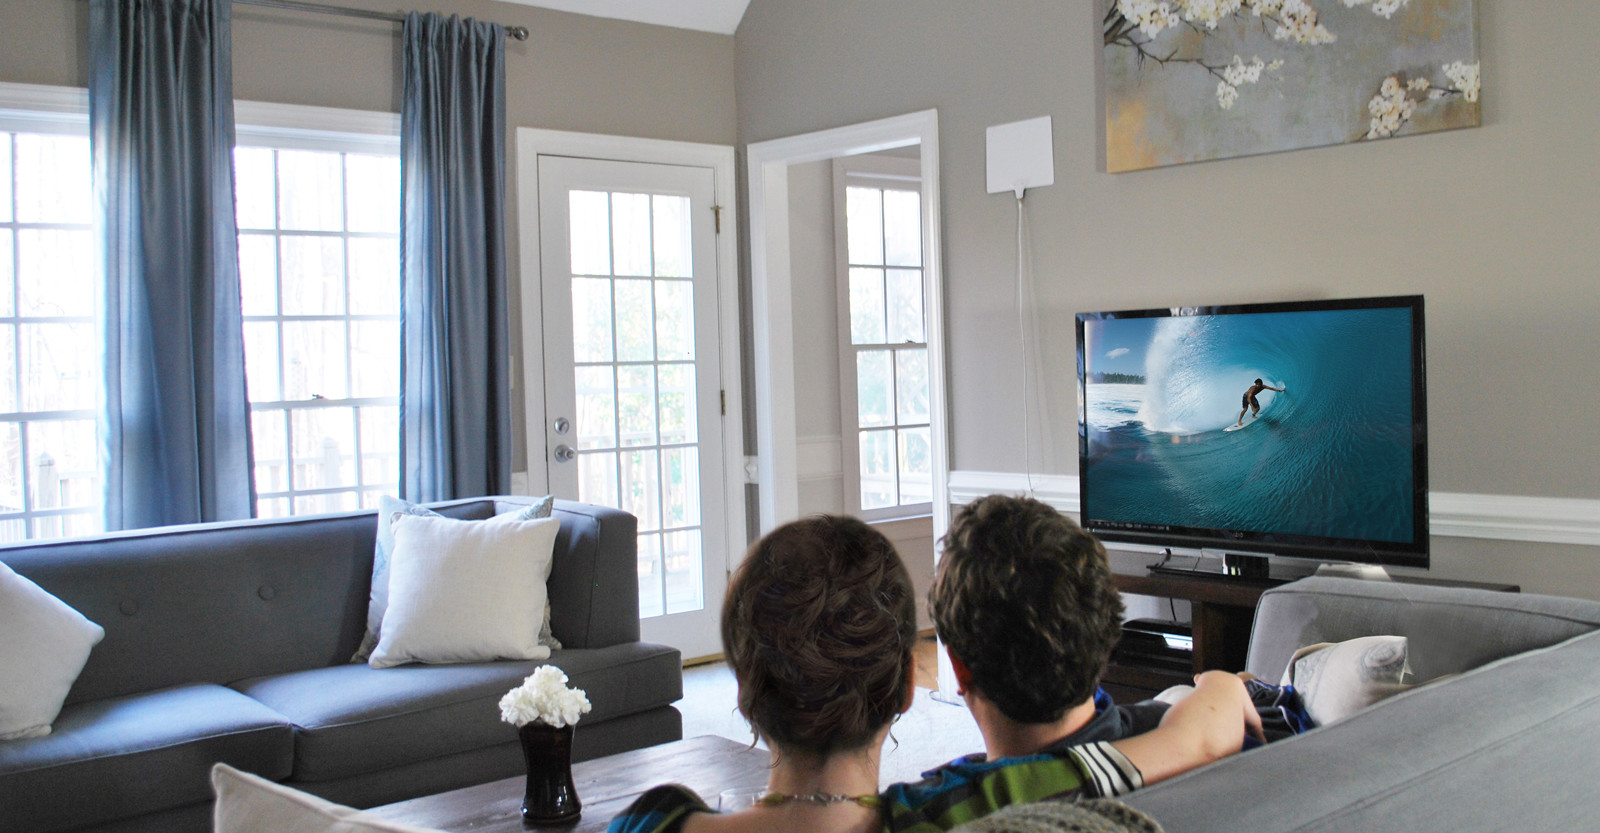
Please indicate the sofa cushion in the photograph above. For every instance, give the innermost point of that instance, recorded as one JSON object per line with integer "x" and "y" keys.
{"x": 354, "y": 719}
{"x": 126, "y": 756}
{"x": 1410, "y": 762}
{"x": 45, "y": 646}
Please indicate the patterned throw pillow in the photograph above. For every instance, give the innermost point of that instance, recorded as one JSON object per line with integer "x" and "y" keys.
{"x": 378, "y": 600}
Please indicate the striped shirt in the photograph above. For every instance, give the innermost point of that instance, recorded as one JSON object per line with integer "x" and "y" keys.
{"x": 956, "y": 793}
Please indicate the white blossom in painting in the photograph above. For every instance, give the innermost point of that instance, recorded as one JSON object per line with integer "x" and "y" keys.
{"x": 1463, "y": 78}
{"x": 1395, "y": 104}
{"x": 1382, "y": 8}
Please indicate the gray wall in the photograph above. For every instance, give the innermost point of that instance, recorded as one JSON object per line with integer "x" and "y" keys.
{"x": 575, "y": 73}
{"x": 1494, "y": 225}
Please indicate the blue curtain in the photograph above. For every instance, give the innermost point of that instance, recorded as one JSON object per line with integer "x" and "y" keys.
{"x": 175, "y": 417}
{"x": 455, "y": 403}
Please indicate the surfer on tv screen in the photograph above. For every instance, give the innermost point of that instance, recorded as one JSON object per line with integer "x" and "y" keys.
{"x": 1250, "y": 402}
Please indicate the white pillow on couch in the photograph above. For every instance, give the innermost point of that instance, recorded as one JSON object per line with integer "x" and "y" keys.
{"x": 465, "y": 591}
{"x": 251, "y": 804}
{"x": 43, "y": 648}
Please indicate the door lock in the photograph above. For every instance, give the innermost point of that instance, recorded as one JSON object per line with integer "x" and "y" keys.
{"x": 564, "y": 453}
{"x": 562, "y": 425}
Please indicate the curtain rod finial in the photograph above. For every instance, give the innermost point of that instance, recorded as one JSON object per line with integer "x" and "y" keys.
{"x": 518, "y": 32}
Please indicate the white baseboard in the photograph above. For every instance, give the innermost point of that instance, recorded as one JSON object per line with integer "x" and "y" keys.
{"x": 1546, "y": 520}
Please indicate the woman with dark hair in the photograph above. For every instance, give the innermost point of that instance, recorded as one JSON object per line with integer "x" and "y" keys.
{"x": 818, "y": 627}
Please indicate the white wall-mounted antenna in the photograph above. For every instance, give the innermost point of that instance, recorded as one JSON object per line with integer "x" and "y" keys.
{"x": 1021, "y": 155}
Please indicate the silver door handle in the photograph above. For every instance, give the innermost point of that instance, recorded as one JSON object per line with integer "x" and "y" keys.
{"x": 564, "y": 453}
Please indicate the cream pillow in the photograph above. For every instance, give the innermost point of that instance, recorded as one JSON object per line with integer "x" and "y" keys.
{"x": 465, "y": 591}
{"x": 1337, "y": 679}
{"x": 44, "y": 647}
{"x": 251, "y": 804}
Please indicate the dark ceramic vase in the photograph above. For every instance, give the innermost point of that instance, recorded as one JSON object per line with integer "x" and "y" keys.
{"x": 551, "y": 797}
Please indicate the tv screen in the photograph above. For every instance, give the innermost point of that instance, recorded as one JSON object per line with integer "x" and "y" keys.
{"x": 1293, "y": 429}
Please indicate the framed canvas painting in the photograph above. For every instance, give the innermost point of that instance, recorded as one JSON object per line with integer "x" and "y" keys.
{"x": 1192, "y": 80}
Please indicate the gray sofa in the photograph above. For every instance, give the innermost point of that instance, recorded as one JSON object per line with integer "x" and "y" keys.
{"x": 231, "y": 642}
{"x": 1513, "y": 743}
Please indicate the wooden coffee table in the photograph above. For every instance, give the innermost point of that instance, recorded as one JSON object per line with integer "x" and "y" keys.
{"x": 707, "y": 764}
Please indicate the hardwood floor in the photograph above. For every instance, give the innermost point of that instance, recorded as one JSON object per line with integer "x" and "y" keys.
{"x": 926, "y": 657}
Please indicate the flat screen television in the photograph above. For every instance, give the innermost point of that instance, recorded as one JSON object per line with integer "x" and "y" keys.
{"x": 1329, "y": 461}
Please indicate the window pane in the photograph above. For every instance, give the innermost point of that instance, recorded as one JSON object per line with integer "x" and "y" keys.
{"x": 273, "y": 508}
{"x": 60, "y": 364}
{"x": 7, "y": 277}
{"x": 380, "y": 446}
{"x": 261, "y": 361}
{"x": 874, "y": 387}
{"x": 677, "y": 404}
{"x": 630, "y": 233}
{"x": 8, "y": 368}
{"x": 258, "y": 273}
{"x": 877, "y": 469}
{"x": 324, "y": 446}
{"x": 313, "y": 275}
{"x": 55, "y": 274}
{"x": 641, "y": 487}
{"x": 374, "y": 358}
{"x": 680, "y": 487}
{"x": 53, "y": 179}
{"x": 680, "y": 559}
{"x": 269, "y": 440}
{"x": 863, "y": 211}
{"x": 254, "y": 193}
{"x": 650, "y": 587}
{"x": 674, "y": 321}
{"x": 905, "y": 306}
{"x": 916, "y": 466}
{"x": 597, "y": 478}
{"x": 589, "y": 213}
{"x": 597, "y": 415}
{"x": 591, "y": 320}
{"x": 322, "y": 504}
{"x": 902, "y": 228}
{"x": 372, "y": 184}
{"x": 911, "y": 385}
{"x": 635, "y": 322}
{"x": 309, "y": 192}
{"x": 866, "y": 307}
{"x": 374, "y": 276}
{"x": 674, "y": 258}
{"x": 314, "y": 356}
{"x": 65, "y": 461}
{"x": 5, "y": 184}
{"x": 10, "y": 469}
{"x": 636, "y": 405}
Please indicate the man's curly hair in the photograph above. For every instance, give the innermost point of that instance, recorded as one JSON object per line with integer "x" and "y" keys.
{"x": 1025, "y": 599}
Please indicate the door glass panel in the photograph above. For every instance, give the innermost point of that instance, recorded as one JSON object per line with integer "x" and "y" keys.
{"x": 874, "y": 388}
{"x": 641, "y": 491}
{"x": 679, "y": 416}
{"x": 597, "y": 413}
{"x": 680, "y": 487}
{"x": 864, "y": 232}
{"x": 905, "y": 306}
{"x": 902, "y": 228}
{"x": 590, "y": 221}
{"x": 630, "y": 233}
{"x": 650, "y": 585}
{"x": 636, "y": 404}
{"x": 866, "y": 306}
{"x": 635, "y": 322}
{"x": 591, "y": 320}
{"x": 674, "y": 251}
{"x": 674, "y": 321}
{"x": 680, "y": 558}
{"x": 597, "y": 478}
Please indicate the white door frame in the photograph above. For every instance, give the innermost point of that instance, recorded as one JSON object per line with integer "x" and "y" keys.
{"x": 773, "y": 321}
{"x": 533, "y": 143}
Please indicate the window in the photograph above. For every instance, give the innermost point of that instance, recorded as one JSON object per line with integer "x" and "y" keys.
{"x": 49, "y": 365}
{"x": 319, "y": 263}
{"x": 883, "y": 335}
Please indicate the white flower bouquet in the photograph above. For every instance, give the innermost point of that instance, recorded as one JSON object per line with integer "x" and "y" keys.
{"x": 544, "y": 697}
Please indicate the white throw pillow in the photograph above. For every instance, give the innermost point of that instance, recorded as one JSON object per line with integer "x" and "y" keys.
{"x": 1337, "y": 679}
{"x": 465, "y": 591}
{"x": 251, "y": 804}
{"x": 390, "y": 508}
{"x": 44, "y": 647}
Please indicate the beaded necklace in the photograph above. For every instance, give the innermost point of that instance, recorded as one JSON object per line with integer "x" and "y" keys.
{"x": 774, "y": 799}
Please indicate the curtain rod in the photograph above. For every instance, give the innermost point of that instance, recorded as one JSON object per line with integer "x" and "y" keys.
{"x": 518, "y": 32}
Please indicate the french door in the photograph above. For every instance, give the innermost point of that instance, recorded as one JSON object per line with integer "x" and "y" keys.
{"x": 632, "y": 373}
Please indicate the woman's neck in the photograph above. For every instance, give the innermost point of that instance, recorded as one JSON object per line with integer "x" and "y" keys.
{"x": 850, "y": 773}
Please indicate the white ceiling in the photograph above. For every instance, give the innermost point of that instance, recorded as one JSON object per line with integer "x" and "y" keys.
{"x": 720, "y": 16}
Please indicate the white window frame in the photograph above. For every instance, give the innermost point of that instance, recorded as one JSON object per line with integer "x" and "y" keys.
{"x": 887, "y": 173}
